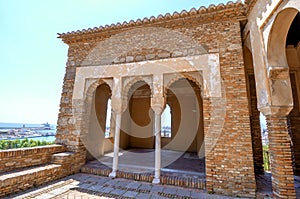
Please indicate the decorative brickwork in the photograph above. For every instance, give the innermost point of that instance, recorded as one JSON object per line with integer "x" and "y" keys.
{"x": 281, "y": 158}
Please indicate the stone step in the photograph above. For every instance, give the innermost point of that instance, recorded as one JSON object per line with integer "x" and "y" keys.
{"x": 62, "y": 158}
{"x": 22, "y": 179}
{"x": 167, "y": 177}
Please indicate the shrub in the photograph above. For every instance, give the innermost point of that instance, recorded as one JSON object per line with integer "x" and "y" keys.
{"x": 12, "y": 144}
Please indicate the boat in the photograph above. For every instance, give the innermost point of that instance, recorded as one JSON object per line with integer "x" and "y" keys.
{"x": 46, "y": 126}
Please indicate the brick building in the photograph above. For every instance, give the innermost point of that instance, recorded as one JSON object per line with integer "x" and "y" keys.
{"x": 217, "y": 68}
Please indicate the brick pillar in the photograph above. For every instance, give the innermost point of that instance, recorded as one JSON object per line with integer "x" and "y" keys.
{"x": 281, "y": 159}
{"x": 295, "y": 133}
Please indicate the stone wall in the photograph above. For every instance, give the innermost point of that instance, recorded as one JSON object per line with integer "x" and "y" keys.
{"x": 25, "y": 157}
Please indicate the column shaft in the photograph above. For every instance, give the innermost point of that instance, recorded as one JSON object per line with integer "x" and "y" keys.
{"x": 116, "y": 146}
{"x": 157, "y": 129}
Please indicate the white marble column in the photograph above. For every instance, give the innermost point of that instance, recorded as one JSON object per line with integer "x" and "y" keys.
{"x": 157, "y": 130}
{"x": 157, "y": 104}
{"x": 113, "y": 174}
{"x": 116, "y": 103}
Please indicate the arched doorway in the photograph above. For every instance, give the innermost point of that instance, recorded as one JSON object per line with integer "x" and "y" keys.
{"x": 136, "y": 142}
{"x": 137, "y": 120}
{"x": 187, "y": 132}
{"x": 96, "y": 140}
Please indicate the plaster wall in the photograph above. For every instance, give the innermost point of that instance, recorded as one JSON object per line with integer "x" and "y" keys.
{"x": 184, "y": 136}
{"x": 141, "y": 131}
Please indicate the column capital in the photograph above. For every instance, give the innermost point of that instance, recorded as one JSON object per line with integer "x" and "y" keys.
{"x": 116, "y": 98}
{"x": 158, "y": 104}
{"x": 276, "y": 111}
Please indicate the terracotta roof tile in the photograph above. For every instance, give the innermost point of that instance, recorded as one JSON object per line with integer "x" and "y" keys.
{"x": 152, "y": 19}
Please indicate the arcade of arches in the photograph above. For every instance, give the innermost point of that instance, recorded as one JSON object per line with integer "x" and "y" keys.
{"x": 216, "y": 84}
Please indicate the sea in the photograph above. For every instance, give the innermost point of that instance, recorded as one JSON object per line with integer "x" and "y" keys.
{"x": 43, "y": 135}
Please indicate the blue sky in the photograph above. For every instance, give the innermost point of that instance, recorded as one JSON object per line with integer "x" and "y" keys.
{"x": 32, "y": 59}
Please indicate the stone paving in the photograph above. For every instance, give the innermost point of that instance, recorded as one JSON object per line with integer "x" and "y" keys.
{"x": 86, "y": 186}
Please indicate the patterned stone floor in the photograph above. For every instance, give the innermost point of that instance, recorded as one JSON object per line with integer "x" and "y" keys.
{"x": 144, "y": 159}
{"x": 84, "y": 186}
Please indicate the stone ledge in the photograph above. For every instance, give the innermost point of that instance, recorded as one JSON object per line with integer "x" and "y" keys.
{"x": 62, "y": 158}
{"x": 30, "y": 150}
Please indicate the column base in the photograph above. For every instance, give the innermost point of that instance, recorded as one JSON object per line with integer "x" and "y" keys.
{"x": 113, "y": 174}
{"x": 156, "y": 181}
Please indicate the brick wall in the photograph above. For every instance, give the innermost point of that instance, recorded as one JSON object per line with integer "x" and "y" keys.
{"x": 16, "y": 182}
{"x": 255, "y": 128}
{"x": 229, "y": 165}
{"x": 19, "y": 158}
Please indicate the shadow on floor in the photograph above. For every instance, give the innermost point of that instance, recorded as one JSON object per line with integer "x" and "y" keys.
{"x": 264, "y": 184}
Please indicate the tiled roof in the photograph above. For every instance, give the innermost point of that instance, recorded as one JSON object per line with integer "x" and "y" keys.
{"x": 152, "y": 19}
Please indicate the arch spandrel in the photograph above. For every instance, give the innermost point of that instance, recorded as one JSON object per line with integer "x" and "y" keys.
{"x": 196, "y": 77}
{"x": 92, "y": 84}
{"x": 128, "y": 82}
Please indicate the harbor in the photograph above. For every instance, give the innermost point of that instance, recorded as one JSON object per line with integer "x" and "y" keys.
{"x": 13, "y": 131}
